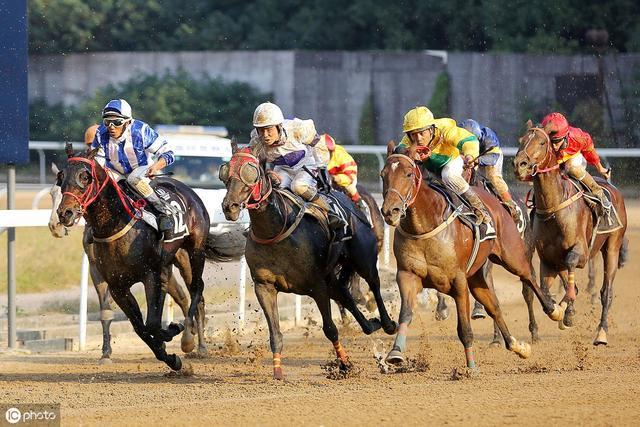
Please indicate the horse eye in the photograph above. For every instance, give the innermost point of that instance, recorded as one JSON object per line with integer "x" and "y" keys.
{"x": 410, "y": 174}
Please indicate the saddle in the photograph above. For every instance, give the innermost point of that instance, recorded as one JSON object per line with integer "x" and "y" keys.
{"x": 481, "y": 232}
{"x": 167, "y": 191}
{"x": 605, "y": 220}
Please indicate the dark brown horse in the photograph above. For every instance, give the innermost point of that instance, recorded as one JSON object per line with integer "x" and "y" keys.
{"x": 563, "y": 225}
{"x": 289, "y": 251}
{"x": 432, "y": 247}
{"x": 128, "y": 250}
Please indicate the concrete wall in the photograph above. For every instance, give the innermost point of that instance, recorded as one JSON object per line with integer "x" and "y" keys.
{"x": 332, "y": 87}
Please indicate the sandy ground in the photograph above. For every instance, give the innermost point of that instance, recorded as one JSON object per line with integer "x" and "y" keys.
{"x": 566, "y": 380}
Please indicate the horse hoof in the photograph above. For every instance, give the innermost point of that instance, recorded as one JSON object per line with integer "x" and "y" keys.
{"x": 495, "y": 344}
{"x": 478, "y": 313}
{"x": 187, "y": 345}
{"x": 442, "y": 314}
{"x": 202, "y": 350}
{"x": 277, "y": 374}
{"x": 558, "y": 311}
{"x": 105, "y": 361}
{"x": 601, "y": 338}
{"x": 395, "y": 357}
{"x": 374, "y": 326}
{"x": 391, "y": 328}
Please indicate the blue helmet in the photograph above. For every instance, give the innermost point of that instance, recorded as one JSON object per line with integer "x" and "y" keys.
{"x": 473, "y": 127}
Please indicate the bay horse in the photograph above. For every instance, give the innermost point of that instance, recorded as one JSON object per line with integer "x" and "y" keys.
{"x": 128, "y": 250}
{"x": 105, "y": 301}
{"x": 289, "y": 251}
{"x": 432, "y": 247}
{"x": 563, "y": 225}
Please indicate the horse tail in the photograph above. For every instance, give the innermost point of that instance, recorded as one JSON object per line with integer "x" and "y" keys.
{"x": 624, "y": 253}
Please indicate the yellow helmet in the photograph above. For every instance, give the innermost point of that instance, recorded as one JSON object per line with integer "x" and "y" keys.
{"x": 418, "y": 118}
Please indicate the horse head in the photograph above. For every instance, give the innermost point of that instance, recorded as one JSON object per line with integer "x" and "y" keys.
{"x": 246, "y": 181}
{"x": 56, "y": 228}
{"x": 81, "y": 182}
{"x": 401, "y": 180}
{"x": 535, "y": 154}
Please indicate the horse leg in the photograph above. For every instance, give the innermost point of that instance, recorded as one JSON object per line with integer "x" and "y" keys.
{"x": 268, "y": 298}
{"x": 155, "y": 285}
{"x": 591, "y": 286}
{"x": 610, "y": 253}
{"x": 196, "y": 284}
{"x": 516, "y": 262}
{"x": 366, "y": 267}
{"x": 460, "y": 294}
{"x": 182, "y": 262}
{"x": 340, "y": 293}
{"x": 329, "y": 328}
{"x": 527, "y": 294}
{"x": 485, "y": 294}
{"x": 127, "y": 302}
{"x": 487, "y": 276}
{"x": 548, "y": 276}
{"x": 106, "y": 313}
{"x": 409, "y": 285}
{"x": 176, "y": 292}
{"x": 442, "y": 311}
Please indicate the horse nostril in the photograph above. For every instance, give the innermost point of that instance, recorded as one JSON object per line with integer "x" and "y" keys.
{"x": 523, "y": 164}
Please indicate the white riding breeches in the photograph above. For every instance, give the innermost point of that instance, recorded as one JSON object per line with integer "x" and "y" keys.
{"x": 297, "y": 180}
{"x": 138, "y": 179}
{"x": 452, "y": 176}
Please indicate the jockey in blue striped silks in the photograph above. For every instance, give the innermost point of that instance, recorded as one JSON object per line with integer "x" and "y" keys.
{"x": 130, "y": 149}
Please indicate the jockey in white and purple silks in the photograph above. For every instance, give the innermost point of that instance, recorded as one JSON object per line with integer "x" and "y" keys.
{"x": 130, "y": 149}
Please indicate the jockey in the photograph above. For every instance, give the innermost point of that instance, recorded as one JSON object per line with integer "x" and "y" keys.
{"x": 341, "y": 166}
{"x": 490, "y": 163}
{"x": 575, "y": 149}
{"x": 444, "y": 149}
{"x": 130, "y": 149}
{"x": 289, "y": 146}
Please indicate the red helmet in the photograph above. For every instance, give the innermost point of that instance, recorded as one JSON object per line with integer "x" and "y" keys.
{"x": 556, "y": 125}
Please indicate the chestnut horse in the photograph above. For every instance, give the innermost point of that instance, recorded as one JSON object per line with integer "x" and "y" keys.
{"x": 289, "y": 251}
{"x": 432, "y": 247}
{"x": 128, "y": 250}
{"x": 563, "y": 226}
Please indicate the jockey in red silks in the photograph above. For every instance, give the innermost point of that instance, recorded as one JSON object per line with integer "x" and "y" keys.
{"x": 574, "y": 148}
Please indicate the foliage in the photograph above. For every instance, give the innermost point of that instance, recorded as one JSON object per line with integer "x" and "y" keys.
{"x": 367, "y": 129}
{"x": 171, "y": 98}
{"x": 480, "y": 25}
{"x": 439, "y": 103}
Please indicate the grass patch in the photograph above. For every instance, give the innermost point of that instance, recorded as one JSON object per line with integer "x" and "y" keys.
{"x": 43, "y": 263}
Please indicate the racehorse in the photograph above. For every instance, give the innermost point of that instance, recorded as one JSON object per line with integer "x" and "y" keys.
{"x": 174, "y": 289}
{"x": 289, "y": 251}
{"x": 564, "y": 228}
{"x": 432, "y": 247}
{"x": 128, "y": 250}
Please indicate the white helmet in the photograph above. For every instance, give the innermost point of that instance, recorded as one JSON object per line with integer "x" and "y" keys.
{"x": 117, "y": 107}
{"x": 267, "y": 114}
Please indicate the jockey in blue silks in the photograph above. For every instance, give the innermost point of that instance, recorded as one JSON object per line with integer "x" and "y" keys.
{"x": 130, "y": 149}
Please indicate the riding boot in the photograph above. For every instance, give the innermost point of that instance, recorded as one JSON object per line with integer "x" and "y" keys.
{"x": 511, "y": 207}
{"x": 596, "y": 189}
{"x": 165, "y": 219}
{"x": 478, "y": 207}
{"x": 336, "y": 223}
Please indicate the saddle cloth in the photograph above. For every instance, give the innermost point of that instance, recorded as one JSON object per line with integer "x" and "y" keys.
{"x": 468, "y": 218}
{"x": 523, "y": 220}
{"x": 167, "y": 192}
{"x": 607, "y": 220}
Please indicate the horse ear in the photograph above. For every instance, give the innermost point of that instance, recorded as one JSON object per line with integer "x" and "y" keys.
{"x": 54, "y": 168}
{"x": 68, "y": 148}
{"x": 391, "y": 147}
{"x": 529, "y": 124}
{"x": 234, "y": 145}
{"x": 91, "y": 153}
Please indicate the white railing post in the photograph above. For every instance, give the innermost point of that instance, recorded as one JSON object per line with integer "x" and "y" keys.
{"x": 84, "y": 285}
{"x": 298, "y": 310}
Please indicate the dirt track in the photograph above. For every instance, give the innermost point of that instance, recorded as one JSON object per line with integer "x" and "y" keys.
{"x": 566, "y": 380}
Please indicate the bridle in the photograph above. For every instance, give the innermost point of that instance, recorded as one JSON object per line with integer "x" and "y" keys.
{"x": 93, "y": 190}
{"x": 548, "y": 154}
{"x": 237, "y": 169}
{"x": 410, "y": 198}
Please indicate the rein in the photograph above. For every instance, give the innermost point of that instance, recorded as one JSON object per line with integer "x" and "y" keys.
{"x": 410, "y": 198}
{"x": 547, "y": 154}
